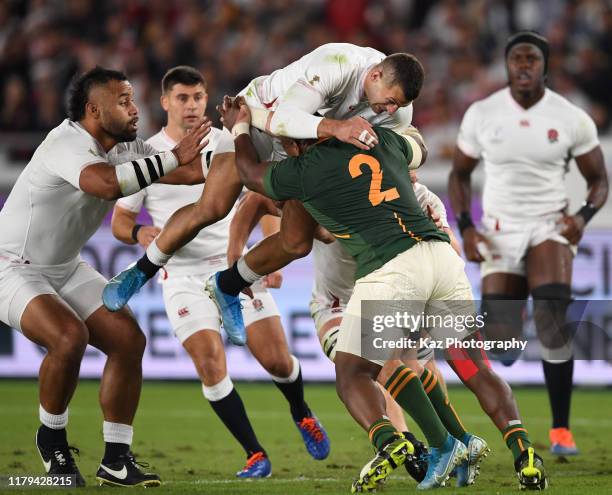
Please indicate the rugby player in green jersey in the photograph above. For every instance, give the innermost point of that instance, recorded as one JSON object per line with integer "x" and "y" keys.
{"x": 366, "y": 200}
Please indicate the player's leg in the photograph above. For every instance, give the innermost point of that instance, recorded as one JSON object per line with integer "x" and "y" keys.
{"x": 273, "y": 253}
{"x": 196, "y": 324}
{"x": 267, "y": 343}
{"x": 119, "y": 337}
{"x": 549, "y": 271}
{"x": 222, "y": 189}
{"x": 49, "y": 322}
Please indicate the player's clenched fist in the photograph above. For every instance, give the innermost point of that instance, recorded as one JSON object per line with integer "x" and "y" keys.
{"x": 190, "y": 147}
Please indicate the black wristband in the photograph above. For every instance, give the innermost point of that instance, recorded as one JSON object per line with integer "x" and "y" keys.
{"x": 135, "y": 230}
{"x": 464, "y": 220}
{"x": 587, "y": 211}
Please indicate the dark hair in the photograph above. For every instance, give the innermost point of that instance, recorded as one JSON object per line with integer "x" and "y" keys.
{"x": 182, "y": 74}
{"x": 78, "y": 94}
{"x": 405, "y": 70}
{"x": 532, "y": 38}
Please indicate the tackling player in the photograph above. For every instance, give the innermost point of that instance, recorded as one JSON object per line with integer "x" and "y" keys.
{"x": 193, "y": 315}
{"x": 374, "y": 230}
{"x": 526, "y": 135}
{"x": 51, "y": 295}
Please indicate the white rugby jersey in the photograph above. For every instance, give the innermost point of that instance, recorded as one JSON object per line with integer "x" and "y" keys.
{"x": 207, "y": 251}
{"x": 334, "y": 268}
{"x": 47, "y": 218}
{"x": 337, "y": 71}
{"x": 525, "y": 151}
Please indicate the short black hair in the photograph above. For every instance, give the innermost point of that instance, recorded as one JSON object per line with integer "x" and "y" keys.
{"x": 78, "y": 94}
{"x": 182, "y": 74}
{"x": 405, "y": 70}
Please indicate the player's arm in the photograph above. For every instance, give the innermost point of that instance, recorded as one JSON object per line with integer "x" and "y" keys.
{"x": 593, "y": 169}
{"x": 189, "y": 175}
{"x": 125, "y": 228}
{"x": 110, "y": 183}
{"x": 460, "y": 192}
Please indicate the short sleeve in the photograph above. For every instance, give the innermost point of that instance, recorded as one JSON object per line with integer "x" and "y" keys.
{"x": 467, "y": 140}
{"x": 585, "y": 134}
{"x": 133, "y": 202}
{"x": 68, "y": 157}
{"x": 283, "y": 180}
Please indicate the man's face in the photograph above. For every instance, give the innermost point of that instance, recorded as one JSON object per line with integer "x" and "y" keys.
{"x": 383, "y": 97}
{"x": 185, "y": 104}
{"x": 117, "y": 111}
{"x": 525, "y": 67}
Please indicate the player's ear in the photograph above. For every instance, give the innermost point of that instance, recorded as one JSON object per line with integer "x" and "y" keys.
{"x": 92, "y": 109}
{"x": 164, "y": 101}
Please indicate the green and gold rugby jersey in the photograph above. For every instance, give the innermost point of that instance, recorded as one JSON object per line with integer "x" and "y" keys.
{"x": 364, "y": 198}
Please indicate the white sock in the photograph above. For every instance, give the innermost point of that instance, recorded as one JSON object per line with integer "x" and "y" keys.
{"x": 117, "y": 433}
{"x": 218, "y": 391}
{"x": 156, "y": 256}
{"x": 294, "y": 372}
{"x": 53, "y": 421}
{"x": 246, "y": 273}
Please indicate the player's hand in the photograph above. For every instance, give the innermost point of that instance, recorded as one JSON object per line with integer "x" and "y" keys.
{"x": 435, "y": 217}
{"x": 323, "y": 235}
{"x": 146, "y": 235}
{"x": 572, "y": 228}
{"x": 471, "y": 239}
{"x": 190, "y": 147}
{"x": 234, "y": 111}
{"x": 273, "y": 280}
{"x": 356, "y": 131}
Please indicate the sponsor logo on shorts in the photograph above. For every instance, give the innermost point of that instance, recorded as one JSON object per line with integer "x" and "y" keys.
{"x": 183, "y": 312}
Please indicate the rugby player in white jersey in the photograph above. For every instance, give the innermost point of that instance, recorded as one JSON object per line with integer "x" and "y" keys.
{"x": 51, "y": 295}
{"x": 526, "y": 136}
{"x": 193, "y": 315}
{"x": 349, "y": 88}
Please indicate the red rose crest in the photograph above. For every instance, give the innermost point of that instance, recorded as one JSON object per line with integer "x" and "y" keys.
{"x": 553, "y": 135}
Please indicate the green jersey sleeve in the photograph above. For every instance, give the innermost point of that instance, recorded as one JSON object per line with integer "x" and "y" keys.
{"x": 283, "y": 180}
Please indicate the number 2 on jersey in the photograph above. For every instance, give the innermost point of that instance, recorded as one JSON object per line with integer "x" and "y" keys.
{"x": 376, "y": 196}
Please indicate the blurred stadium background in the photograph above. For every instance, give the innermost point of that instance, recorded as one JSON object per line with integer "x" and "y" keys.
{"x": 43, "y": 43}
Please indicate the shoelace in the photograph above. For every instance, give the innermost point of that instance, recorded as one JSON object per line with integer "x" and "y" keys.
{"x": 135, "y": 463}
{"x": 311, "y": 426}
{"x": 256, "y": 457}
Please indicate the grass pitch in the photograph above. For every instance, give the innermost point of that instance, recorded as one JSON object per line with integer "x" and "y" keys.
{"x": 177, "y": 432}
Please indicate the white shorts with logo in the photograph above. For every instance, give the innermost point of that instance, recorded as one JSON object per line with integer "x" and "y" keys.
{"x": 511, "y": 239}
{"x": 428, "y": 271}
{"x": 75, "y": 282}
{"x": 190, "y": 309}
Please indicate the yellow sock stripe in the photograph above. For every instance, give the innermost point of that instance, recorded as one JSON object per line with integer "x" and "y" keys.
{"x": 520, "y": 444}
{"x": 427, "y": 377}
{"x": 403, "y": 384}
{"x": 455, "y": 413}
{"x": 431, "y": 386}
{"x": 378, "y": 427}
{"x": 507, "y": 434}
{"x": 404, "y": 371}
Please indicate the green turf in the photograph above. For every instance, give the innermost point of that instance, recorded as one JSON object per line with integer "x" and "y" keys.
{"x": 177, "y": 432}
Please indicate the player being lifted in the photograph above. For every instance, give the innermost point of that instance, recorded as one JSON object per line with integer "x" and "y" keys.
{"x": 194, "y": 317}
{"x": 51, "y": 295}
{"x": 526, "y": 135}
{"x": 327, "y": 178}
{"x": 354, "y": 87}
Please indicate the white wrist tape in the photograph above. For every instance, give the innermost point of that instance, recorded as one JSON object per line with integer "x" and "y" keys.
{"x": 138, "y": 174}
{"x": 241, "y": 128}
